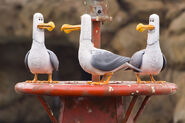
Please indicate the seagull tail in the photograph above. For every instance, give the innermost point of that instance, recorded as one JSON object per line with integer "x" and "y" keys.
{"x": 131, "y": 67}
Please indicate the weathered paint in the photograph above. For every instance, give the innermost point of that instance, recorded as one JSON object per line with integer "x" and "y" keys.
{"x": 97, "y": 42}
{"x": 80, "y": 88}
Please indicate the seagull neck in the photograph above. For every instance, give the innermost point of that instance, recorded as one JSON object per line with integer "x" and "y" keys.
{"x": 37, "y": 44}
{"x": 86, "y": 44}
{"x": 153, "y": 38}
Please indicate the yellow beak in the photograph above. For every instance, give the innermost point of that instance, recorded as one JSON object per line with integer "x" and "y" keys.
{"x": 49, "y": 26}
{"x": 141, "y": 27}
{"x": 69, "y": 28}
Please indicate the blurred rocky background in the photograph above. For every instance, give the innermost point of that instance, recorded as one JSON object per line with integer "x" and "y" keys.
{"x": 118, "y": 36}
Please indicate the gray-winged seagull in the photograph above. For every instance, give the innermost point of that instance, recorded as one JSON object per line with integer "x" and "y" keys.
{"x": 93, "y": 60}
{"x": 39, "y": 59}
{"x": 150, "y": 60}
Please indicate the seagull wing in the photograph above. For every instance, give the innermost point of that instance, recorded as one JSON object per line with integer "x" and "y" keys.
{"x": 164, "y": 62}
{"x": 108, "y": 61}
{"x": 136, "y": 59}
{"x": 53, "y": 59}
{"x": 26, "y": 59}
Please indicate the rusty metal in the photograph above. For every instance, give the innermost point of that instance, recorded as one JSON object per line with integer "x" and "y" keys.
{"x": 89, "y": 110}
{"x": 62, "y": 106}
{"x": 80, "y": 88}
{"x": 141, "y": 108}
{"x": 98, "y": 9}
{"x": 47, "y": 109}
{"x": 129, "y": 110}
{"x": 96, "y": 40}
{"x": 120, "y": 108}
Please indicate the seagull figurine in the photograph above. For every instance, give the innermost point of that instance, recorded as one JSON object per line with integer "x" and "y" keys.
{"x": 151, "y": 60}
{"x": 39, "y": 59}
{"x": 93, "y": 60}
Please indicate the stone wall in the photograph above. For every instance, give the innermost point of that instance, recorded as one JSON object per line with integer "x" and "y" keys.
{"x": 118, "y": 36}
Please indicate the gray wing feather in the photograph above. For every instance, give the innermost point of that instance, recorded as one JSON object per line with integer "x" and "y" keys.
{"x": 136, "y": 59}
{"x": 164, "y": 62}
{"x": 26, "y": 59}
{"x": 54, "y": 60}
{"x": 107, "y": 61}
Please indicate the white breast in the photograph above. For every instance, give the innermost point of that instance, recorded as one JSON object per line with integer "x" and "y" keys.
{"x": 152, "y": 62}
{"x": 39, "y": 61}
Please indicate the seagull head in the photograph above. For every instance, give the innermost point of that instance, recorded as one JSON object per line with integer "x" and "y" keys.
{"x": 152, "y": 26}
{"x": 38, "y": 23}
{"x": 85, "y": 27}
{"x": 85, "y": 19}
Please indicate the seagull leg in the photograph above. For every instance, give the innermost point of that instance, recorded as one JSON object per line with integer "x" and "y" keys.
{"x": 108, "y": 78}
{"x": 138, "y": 79}
{"x": 34, "y": 80}
{"x": 104, "y": 76}
{"x": 50, "y": 79}
{"x": 102, "y": 80}
{"x": 152, "y": 78}
{"x": 154, "y": 81}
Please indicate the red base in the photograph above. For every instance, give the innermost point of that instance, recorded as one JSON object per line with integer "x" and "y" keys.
{"x": 80, "y": 88}
{"x": 90, "y": 110}
{"x": 90, "y": 104}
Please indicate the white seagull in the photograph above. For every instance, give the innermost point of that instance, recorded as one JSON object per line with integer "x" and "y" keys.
{"x": 93, "y": 60}
{"x": 151, "y": 61}
{"x": 39, "y": 59}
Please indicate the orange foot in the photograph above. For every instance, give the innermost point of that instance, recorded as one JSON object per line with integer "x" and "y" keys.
{"x": 98, "y": 83}
{"x": 51, "y": 82}
{"x": 31, "y": 81}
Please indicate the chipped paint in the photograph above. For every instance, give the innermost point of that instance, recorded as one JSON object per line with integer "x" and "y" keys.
{"x": 80, "y": 98}
{"x": 111, "y": 89}
{"x": 124, "y": 88}
{"x": 153, "y": 90}
{"x": 78, "y": 121}
{"x": 129, "y": 85}
{"x": 90, "y": 110}
{"x": 51, "y": 85}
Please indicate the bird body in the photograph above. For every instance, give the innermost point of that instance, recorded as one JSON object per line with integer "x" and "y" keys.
{"x": 98, "y": 61}
{"x": 39, "y": 59}
{"x": 150, "y": 60}
{"x": 94, "y": 60}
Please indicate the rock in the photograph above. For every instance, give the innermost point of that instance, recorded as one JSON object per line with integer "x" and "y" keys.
{"x": 174, "y": 50}
{"x": 119, "y": 19}
{"x": 127, "y": 41}
{"x": 179, "y": 113}
{"x": 142, "y": 9}
{"x": 178, "y": 26}
{"x": 174, "y": 10}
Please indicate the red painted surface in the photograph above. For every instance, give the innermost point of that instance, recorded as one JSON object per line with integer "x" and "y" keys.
{"x": 47, "y": 109}
{"x": 130, "y": 108}
{"x": 89, "y": 110}
{"x": 145, "y": 101}
{"x": 96, "y": 39}
{"x": 70, "y": 88}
